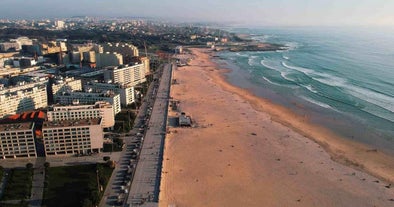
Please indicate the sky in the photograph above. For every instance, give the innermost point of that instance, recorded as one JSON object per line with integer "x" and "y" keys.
{"x": 248, "y": 12}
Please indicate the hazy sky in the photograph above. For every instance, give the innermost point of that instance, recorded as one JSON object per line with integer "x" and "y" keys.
{"x": 257, "y": 12}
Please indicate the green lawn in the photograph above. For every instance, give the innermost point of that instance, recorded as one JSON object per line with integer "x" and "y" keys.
{"x": 19, "y": 184}
{"x": 75, "y": 185}
{"x": 1, "y": 172}
{"x": 22, "y": 204}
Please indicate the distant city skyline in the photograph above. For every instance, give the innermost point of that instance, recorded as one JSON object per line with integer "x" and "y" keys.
{"x": 252, "y": 12}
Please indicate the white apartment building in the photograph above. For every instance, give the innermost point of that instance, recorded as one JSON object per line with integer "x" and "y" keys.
{"x": 72, "y": 137}
{"x": 24, "y": 97}
{"x": 100, "y": 109}
{"x": 145, "y": 61}
{"x": 59, "y": 24}
{"x": 127, "y": 50}
{"x": 65, "y": 85}
{"x": 134, "y": 74}
{"x": 126, "y": 91}
{"x": 108, "y": 59}
{"x": 17, "y": 140}
{"x": 79, "y": 97}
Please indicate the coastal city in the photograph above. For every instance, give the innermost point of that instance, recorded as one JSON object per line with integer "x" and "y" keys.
{"x": 94, "y": 104}
{"x": 70, "y": 100}
{"x": 120, "y": 104}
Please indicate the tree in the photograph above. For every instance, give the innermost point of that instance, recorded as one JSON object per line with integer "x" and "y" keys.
{"x": 87, "y": 203}
{"x": 29, "y": 165}
{"x": 111, "y": 164}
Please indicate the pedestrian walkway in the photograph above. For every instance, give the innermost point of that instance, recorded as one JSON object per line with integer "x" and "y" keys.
{"x": 37, "y": 190}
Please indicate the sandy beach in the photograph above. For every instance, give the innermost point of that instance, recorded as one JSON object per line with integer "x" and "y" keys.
{"x": 247, "y": 151}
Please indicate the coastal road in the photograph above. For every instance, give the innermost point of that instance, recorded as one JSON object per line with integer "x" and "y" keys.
{"x": 114, "y": 187}
{"x": 145, "y": 187}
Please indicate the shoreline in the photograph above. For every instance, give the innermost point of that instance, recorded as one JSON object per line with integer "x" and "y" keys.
{"x": 343, "y": 151}
{"x": 253, "y": 151}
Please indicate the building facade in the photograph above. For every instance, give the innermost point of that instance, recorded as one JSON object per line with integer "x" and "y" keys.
{"x": 108, "y": 59}
{"x": 101, "y": 110}
{"x": 126, "y": 91}
{"x": 134, "y": 74}
{"x": 79, "y": 97}
{"x": 17, "y": 140}
{"x": 65, "y": 85}
{"x": 127, "y": 50}
{"x": 24, "y": 97}
{"x": 72, "y": 137}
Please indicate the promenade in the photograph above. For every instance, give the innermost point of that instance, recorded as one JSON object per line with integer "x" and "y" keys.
{"x": 145, "y": 186}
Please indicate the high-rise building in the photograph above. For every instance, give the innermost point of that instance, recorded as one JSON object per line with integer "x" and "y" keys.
{"x": 79, "y": 97}
{"x": 17, "y": 140}
{"x": 108, "y": 59}
{"x": 59, "y": 24}
{"x": 126, "y": 91}
{"x": 134, "y": 74}
{"x": 143, "y": 60}
{"x": 24, "y": 97}
{"x": 101, "y": 110}
{"x": 9, "y": 47}
{"x": 126, "y": 50}
{"x": 65, "y": 85}
{"x": 71, "y": 137}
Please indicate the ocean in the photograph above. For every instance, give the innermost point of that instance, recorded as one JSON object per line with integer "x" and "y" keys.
{"x": 340, "y": 78}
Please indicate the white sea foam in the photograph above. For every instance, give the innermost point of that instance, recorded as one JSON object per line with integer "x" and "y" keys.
{"x": 285, "y": 57}
{"x": 383, "y": 115}
{"x": 264, "y": 63}
{"x": 324, "y": 105}
{"x": 251, "y": 60}
{"x": 284, "y": 75}
{"x": 292, "y": 45}
{"x": 321, "y": 77}
{"x": 271, "y": 82}
{"x": 384, "y": 101}
{"x": 310, "y": 88}
{"x": 241, "y": 54}
{"x": 306, "y": 71}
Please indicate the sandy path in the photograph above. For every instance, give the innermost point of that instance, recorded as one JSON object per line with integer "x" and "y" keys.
{"x": 238, "y": 156}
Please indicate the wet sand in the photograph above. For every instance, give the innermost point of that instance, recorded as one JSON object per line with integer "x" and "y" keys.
{"x": 246, "y": 151}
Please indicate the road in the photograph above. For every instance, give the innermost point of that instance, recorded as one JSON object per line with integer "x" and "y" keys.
{"x": 145, "y": 187}
{"x": 126, "y": 170}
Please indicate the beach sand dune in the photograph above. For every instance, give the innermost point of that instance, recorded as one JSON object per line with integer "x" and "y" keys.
{"x": 240, "y": 155}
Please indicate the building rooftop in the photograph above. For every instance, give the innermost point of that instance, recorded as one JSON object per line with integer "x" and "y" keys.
{"x": 24, "y": 117}
{"x": 16, "y": 126}
{"x": 99, "y": 104}
{"x": 68, "y": 123}
{"x": 107, "y": 93}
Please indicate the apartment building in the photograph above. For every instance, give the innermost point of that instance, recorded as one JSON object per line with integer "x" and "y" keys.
{"x": 126, "y": 91}
{"x": 103, "y": 110}
{"x": 128, "y": 74}
{"x": 79, "y": 97}
{"x": 126, "y": 50}
{"x": 23, "y": 97}
{"x": 71, "y": 137}
{"x": 65, "y": 85}
{"x": 17, "y": 140}
{"x": 108, "y": 59}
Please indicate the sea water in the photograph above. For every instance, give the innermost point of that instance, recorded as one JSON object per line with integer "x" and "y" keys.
{"x": 340, "y": 78}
